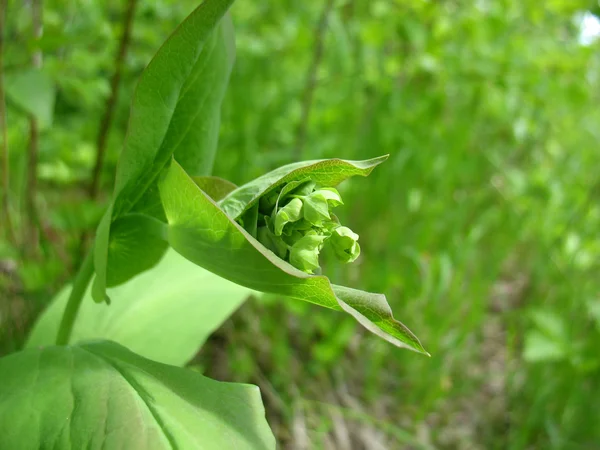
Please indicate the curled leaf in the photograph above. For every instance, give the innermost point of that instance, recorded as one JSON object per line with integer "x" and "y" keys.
{"x": 325, "y": 172}
{"x": 203, "y": 233}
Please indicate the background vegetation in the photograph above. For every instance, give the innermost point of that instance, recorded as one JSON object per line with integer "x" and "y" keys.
{"x": 483, "y": 228}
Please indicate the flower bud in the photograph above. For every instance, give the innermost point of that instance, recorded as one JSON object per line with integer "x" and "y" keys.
{"x": 274, "y": 243}
{"x": 317, "y": 204}
{"x": 289, "y": 213}
{"x": 294, "y": 222}
{"x": 345, "y": 244}
{"x": 304, "y": 254}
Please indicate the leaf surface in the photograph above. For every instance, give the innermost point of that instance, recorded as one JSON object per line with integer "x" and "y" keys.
{"x": 216, "y": 188}
{"x": 164, "y": 314}
{"x": 100, "y": 395}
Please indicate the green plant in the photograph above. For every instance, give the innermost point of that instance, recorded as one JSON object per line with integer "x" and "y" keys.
{"x": 265, "y": 235}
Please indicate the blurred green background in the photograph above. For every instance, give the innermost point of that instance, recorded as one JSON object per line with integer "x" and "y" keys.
{"x": 483, "y": 228}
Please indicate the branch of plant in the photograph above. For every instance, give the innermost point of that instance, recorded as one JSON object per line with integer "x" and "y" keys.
{"x": 8, "y": 222}
{"x": 32, "y": 237}
{"x": 82, "y": 280}
{"x": 107, "y": 118}
{"x": 111, "y": 102}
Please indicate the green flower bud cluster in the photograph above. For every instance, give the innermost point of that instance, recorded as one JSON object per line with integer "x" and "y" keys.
{"x": 296, "y": 223}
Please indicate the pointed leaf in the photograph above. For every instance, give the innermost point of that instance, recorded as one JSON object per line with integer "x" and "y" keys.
{"x": 202, "y": 232}
{"x": 325, "y": 172}
{"x": 175, "y": 299}
{"x": 100, "y": 395}
{"x": 175, "y": 110}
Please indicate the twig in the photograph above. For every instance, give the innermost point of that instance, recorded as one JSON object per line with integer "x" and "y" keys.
{"x": 311, "y": 80}
{"x": 112, "y": 99}
{"x": 82, "y": 280}
{"x": 8, "y": 223}
{"x": 34, "y": 138}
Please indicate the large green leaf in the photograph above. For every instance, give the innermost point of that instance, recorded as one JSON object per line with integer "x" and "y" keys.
{"x": 325, "y": 172}
{"x": 164, "y": 314}
{"x": 175, "y": 111}
{"x": 206, "y": 235}
{"x": 100, "y": 395}
{"x": 32, "y": 91}
{"x": 136, "y": 244}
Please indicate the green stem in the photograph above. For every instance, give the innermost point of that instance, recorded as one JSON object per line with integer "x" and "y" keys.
{"x": 84, "y": 275}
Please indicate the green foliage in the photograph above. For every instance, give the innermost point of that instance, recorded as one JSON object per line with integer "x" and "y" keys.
{"x": 484, "y": 219}
{"x": 175, "y": 299}
{"x": 100, "y": 394}
{"x": 33, "y": 92}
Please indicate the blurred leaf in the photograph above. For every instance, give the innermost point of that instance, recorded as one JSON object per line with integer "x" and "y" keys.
{"x": 32, "y": 91}
{"x": 164, "y": 314}
{"x": 542, "y": 348}
{"x": 175, "y": 110}
{"x": 204, "y": 234}
{"x": 102, "y": 395}
{"x": 594, "y": 311}
{"x": 550, "y": 323}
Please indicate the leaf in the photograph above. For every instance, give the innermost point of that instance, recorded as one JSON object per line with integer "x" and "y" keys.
{"x": 215, "y": 187}
{"x": 164, "y": 314}
{"x": 550, "y": 323}
{"x": 202, "y": 232}
{"x": 326, "y": 172}
{"x": 135, "y": 245}
{"x": 32, "y": 91}
{"x": 542, "y": 348}
{"x": 101, "y": 395}
{"x": 176, "y": 104}
{"x": 175, "y": 111}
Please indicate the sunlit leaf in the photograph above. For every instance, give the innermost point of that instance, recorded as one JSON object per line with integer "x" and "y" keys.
{"x": 101, "y": 395}
{"x": 164, "y": 314}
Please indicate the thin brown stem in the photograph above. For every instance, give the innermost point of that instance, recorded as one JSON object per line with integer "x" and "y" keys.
{"x": 311, "y": 80}
{"x": 31, "y": 187}
{"x": 111, "y": 102}
{"x": 7, "y": 218}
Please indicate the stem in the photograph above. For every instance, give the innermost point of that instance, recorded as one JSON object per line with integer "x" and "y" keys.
{"x": 34, "y": 139}
{"x": 111, "y": 102}
{"x": 3, "y": 129}
{"x": 311, "y": 80}
{"x": 82, "y": 279}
